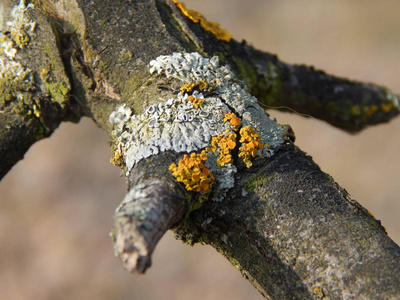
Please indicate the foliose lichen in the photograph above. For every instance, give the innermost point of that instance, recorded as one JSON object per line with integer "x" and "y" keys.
{"x": 210, "y": 117}
{"x": 171, "y": 125}
{"x": 192, "y": 172}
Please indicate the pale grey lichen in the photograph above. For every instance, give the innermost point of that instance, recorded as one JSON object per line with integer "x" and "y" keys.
{"x": 177, "y": 125}
{"x": 171, "y": 125}
{"x": 190, "y": 68}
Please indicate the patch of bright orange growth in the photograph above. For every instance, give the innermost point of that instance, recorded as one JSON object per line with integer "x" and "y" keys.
{"x": 223, "y": 145}
{"x": 197, "y": 17}
{"x": 233, "y": 120}
{"x": 200, "y": 85}
{"x": 192, "y": 172}
{"x": 196, "y": 102}
{"x": 116, "y": 159}
{"x": 251, "y": 143}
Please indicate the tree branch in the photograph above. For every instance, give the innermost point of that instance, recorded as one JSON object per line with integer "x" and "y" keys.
{"x": 153, "y": 205}
{"x": 199, "y": 153}
{"x": 285, "y": 220}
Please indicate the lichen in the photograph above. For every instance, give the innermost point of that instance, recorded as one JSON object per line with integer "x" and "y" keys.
{"x": 20, "y": 25}
{"x": 196, "y": 17}
{"x": 250, "y": 145}
{"x": 223, "y": 145}
{"x": 171, "y": 125}
{"x": 57, "y": 88}
{"x": 188, "y": 88}
{"x": 210, "y": 117}
{"x": 193, "y": 173}
{"x": 196, "y": 100}
{"x": 16, "y": 81}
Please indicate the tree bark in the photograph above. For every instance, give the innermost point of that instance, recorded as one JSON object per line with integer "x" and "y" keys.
{"x": 283, "y": 223}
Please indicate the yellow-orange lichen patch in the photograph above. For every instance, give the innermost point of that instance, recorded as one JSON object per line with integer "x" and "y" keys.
{"x": 223, "y": 144}
{"x": 200, "y": 85}
{"x": 251, "y": 143}
{"x": 192, "y": 172}
{"x": 196, "y": 102}
{"x": 117, "y": 159}
{"x": 233, "y": 120}
{"x": 213, "y": 27}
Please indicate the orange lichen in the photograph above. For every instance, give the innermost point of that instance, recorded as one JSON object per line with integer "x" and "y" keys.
{"x": 251, "y": 143}
{"x": 197, "y": 17}
{"x": 192, "y": 172}
{"x": 200, "y": 85}
{"x": 117, "y": 159}
{"x": 196, "y": 102}
{"x": 223, "y": 145}
{"x": 233, "y": 120}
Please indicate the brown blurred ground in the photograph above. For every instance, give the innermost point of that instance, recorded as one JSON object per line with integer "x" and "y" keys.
{"x": 57, "y": 205}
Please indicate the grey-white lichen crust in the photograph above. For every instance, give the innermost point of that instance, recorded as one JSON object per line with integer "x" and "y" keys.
{"x": 177, "y": 125}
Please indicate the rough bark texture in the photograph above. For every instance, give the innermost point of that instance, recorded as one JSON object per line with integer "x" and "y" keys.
{"x": 285, "y": 225}
{"x": 295, "y": 234}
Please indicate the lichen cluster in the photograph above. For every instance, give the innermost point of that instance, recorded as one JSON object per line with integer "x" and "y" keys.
{"x": 20, "y": 25}
{"x": 191, "y": 68}
{"x": 175, "y": 124}
{"x": 193, "y": 173}
{"x": 188, "y": 88}
{"x": 16, "y": 81}
{"x": 212, "y": 119}
{"x": 196, "y": 100}
{"x": 223, "y": 145}
{"x": 251, "y": 144}
{"x": 213, "y": 27}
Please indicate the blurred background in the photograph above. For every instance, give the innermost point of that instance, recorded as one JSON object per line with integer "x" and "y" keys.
{"x": 57, "y": 204}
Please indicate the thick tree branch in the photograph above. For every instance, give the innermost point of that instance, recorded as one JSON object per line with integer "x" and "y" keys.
{"x": 343, "y": 103}
{"x": 286, "y": 220}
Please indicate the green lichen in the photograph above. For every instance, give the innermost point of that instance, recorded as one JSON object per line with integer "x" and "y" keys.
{"x": 52, "y": 65}
{"x": 15, "y": 88}
{"x": 126, "y": 54}
{"x": 20, "y": 38}
{"x": 247, "y": 73}
{"x": 58, "y": 91}
{"x": 273, "y": 83}
{"x": 256, "y": 181}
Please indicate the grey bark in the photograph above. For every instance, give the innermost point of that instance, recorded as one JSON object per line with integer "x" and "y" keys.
{"x": 285, "y": 225}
